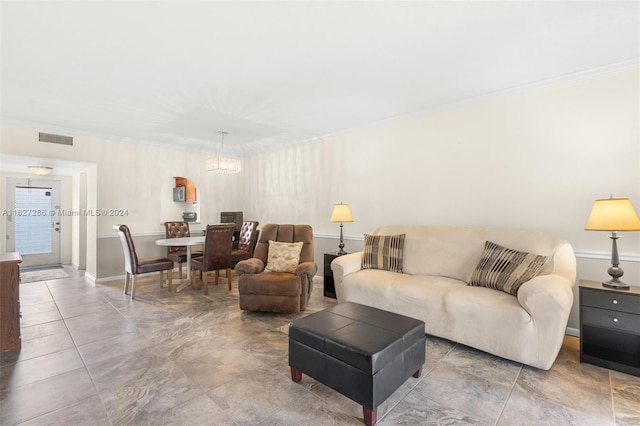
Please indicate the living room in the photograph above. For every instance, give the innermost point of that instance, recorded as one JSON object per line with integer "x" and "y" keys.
{"x": 532, "y": 156}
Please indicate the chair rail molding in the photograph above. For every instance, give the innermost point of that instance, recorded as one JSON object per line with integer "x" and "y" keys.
{"x": 627, "y": 257}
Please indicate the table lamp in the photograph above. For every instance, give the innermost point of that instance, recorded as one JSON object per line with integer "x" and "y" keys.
{"x": 341, "y": 213}
{"x": 613, "y": 215}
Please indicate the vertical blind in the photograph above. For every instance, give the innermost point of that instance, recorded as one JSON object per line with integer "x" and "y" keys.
{"x": 32, "y": 220}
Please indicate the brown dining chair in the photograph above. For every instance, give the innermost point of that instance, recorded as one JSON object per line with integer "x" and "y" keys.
{"x": 218, "y": 243}
{"x": 134, "y": 266}
{"x": 178, "y": 254}
{"x": 246, "y": 242}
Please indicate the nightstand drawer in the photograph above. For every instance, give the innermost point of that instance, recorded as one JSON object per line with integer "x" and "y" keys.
{"x": 611, "y": 319}
{"x": 611, "y": 300}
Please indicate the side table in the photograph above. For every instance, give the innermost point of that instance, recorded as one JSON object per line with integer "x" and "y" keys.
{"x": 329, "y": 285}
{"x": 610, "y": 327}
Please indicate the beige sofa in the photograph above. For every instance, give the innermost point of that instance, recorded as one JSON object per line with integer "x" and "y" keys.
{"x": 437, "y": 264}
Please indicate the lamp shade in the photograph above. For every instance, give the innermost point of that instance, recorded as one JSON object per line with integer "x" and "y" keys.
{"x": 341, "y": 213}
{"x": 613, "y": 214}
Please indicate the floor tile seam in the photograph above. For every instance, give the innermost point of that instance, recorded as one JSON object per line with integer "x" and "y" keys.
{"x": 478, "y": 376}
{"x": 66, "y": 328}
{"x": 48, "y": 335}
{"x": 75, "y": 343}
{"x": 440, "y": 361}
{"x": 553, "y": 400}
{"x": 121, "y": 313}
{"x": 36, "y": 382}
{"x": 543, "y": 397}
{"x": 506, "y": 401}
{"x": 275, "y": 412}
{"x": 613, "y": 402}
{"x": 43, "y": 355}
{"x": 458, "y": 410}
{"x": 43, "y": 415}
{"x": 401, "y": 399}
{"x": 97, "y": 392}
{"x": 204, "y": 391}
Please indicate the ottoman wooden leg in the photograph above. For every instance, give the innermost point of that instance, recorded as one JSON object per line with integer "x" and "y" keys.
{"x": 296, "y": 375}
{"x": 417, "y": 373}
{"x": 370, "y": 416}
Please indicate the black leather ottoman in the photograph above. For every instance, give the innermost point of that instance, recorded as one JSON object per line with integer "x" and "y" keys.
{"x": 362, "y": 352}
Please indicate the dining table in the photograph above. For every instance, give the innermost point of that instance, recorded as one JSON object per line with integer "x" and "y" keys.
{"x": 188, "y": 242}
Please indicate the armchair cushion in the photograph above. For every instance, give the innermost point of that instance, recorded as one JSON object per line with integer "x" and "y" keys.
{"x": 283, "y": 257}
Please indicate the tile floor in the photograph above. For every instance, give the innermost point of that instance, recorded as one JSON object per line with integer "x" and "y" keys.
{"x": 92, "y": 356}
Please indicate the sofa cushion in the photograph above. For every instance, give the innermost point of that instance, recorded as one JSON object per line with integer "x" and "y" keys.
{"x": 505, "y": 269}
{"x": 283, "y": 257}
{"x": 383, "y": 252}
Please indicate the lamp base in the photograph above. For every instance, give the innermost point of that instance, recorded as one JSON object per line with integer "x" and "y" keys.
{"x": 615, "y": 283}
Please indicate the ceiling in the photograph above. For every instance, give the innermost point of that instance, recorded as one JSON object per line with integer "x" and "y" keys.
{"x": 277, "y": 73}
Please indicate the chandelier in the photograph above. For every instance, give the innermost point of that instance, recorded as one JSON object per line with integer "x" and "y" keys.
{"x": 222, "y": 164}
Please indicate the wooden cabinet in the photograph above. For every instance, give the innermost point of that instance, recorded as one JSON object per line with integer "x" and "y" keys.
{"x": 190, "y": 188}
{"x": 610, "y": 327}
{"x": 10, "y": 301}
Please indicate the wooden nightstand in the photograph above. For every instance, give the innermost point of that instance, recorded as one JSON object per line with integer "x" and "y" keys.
{"x": 329, "y": 285}
{"x": 610, "y": 327}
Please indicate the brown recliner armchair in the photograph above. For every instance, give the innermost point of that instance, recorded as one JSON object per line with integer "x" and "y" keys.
{"x": 267, "y": 291}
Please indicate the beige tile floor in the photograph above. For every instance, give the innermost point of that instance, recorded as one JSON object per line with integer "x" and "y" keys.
{"x": 92, "y": 356}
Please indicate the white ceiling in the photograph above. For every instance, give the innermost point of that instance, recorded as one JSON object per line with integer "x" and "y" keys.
{"x": 275, "y": 73}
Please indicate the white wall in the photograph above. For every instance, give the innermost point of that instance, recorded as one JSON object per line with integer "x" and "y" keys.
{"x": 535, "y": 161}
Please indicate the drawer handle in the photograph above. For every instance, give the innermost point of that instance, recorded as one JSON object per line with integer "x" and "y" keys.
{"x": 615, "y": 319}
{"x": 614, "y": 301}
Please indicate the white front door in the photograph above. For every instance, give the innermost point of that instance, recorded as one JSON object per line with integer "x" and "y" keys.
{"x": 33, "y": 221}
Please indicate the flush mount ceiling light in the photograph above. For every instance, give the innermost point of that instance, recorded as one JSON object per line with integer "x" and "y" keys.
{"x": 41, "y": 170}
{"x": 222, "y": 164}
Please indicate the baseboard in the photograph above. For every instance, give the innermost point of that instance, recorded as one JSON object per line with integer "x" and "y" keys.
{"x": 570, "y": 331}
{"x": 121, "y": 277}
{"x": 90, "y": 277}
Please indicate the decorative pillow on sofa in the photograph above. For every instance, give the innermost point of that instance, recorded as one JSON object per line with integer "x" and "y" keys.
{"x": 383, "y": 252}
{"x": 505, "y": 269}
{"x": 283, "y": 257}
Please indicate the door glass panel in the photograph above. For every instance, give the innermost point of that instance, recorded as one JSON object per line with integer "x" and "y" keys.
{"x": 32, "y": 220}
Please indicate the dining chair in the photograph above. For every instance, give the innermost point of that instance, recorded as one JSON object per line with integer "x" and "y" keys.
{"x": 178, "y": 254}
{"x": 246, "y": 242}
{"x": 216, "y": 256}
{"x": 134, "y": 266}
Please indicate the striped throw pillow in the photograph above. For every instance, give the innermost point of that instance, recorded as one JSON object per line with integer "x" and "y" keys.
{"x": 383, "y": 252}
{"x": 505, "y": 269}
